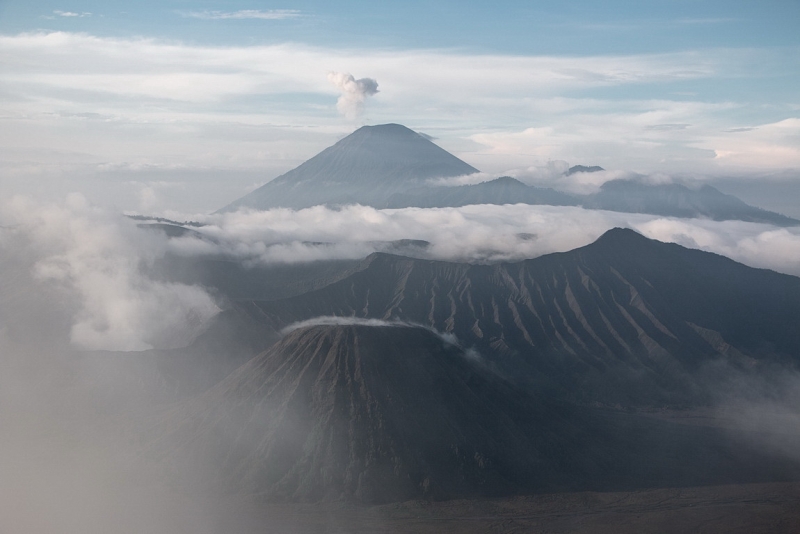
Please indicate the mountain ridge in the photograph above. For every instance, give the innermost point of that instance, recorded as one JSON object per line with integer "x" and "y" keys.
{"x": 391, "y": 166}
{"x": 630, "y": 319}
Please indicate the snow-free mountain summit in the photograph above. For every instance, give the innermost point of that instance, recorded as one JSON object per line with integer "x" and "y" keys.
{"x": 391, "y": 166}
{"x": 366, "y": 167}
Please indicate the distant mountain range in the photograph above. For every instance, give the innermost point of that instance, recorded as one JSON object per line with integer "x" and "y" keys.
{"x": 623, "y": 321}
{"x": 677, "y": 200}
{"x": 391, "y": 166}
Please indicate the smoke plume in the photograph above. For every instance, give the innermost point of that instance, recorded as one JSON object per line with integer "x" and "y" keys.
{"x": 354, "y": 93}
{"x": 94, "y": 264}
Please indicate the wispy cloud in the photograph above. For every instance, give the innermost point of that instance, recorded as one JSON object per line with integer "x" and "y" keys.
{"x": 270, "y": 14}
{"x": 244, "y": 107}
{"x": 72, "y": 13}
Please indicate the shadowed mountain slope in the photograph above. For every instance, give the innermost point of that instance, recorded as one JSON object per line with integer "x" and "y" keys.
{"x": 366, "y": 167}
{"x": 373, "y": 414}
{"x": 377, "y": 414}
{"x": 624, "y": 320}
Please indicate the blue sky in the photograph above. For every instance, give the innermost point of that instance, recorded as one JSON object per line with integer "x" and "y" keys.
{"x": 524, "y": 27}
{"x": 189, "y": 104}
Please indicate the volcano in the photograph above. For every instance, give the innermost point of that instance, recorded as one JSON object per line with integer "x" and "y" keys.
{"x": 372, "y": 414}
{"x": 625, "y": 320}
{"x": 366, "y": 167}
{"x": 385, "y": 412}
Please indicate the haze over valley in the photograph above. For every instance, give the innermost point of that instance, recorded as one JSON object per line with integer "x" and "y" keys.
{"x": 452, "y": 269}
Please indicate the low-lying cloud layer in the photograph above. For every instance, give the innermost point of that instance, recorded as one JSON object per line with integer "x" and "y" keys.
{"x": 552, "y": 174}
{"x": 93, "y": 265}
{"x": 477, "y": 233}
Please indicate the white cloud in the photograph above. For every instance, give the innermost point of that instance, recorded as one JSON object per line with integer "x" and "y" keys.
{"x": 270, "y": 14}
{"x": 82, "y": 255}
{"x": 72, "y": 14}
{"x": 331, "y": 320}
{"x": 479, "y": 233}
{"x": 152, "y": 102}
{"x": 552, "y": 174}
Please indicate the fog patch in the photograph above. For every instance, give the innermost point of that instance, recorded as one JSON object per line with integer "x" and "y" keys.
{"x": 96, "y": 262}
{"x": 765, "y": 409}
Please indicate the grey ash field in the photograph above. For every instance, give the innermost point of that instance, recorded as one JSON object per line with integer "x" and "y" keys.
{"x": 628, "y": 385}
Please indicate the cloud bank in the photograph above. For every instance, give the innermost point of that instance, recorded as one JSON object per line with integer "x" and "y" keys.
{"x": 553, "y": 174}
{"x": 93, "y": 265}
{"x": 477, "y": 233}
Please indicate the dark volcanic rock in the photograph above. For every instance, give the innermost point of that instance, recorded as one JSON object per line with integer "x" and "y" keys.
{"x": 376, "y": 414}
{"x": 372, "y": 414}
{"x": 625, "y": 320}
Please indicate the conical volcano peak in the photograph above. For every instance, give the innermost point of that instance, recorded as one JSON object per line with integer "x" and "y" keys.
{"x": 386, "y": 130}
{"x": 371, "y": 414}
{"x": 366, "y": 167}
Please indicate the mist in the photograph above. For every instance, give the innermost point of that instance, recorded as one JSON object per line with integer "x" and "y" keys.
{"x": 71, "y": 444}
{"x": 94, "y": 261}
{"x": 84, "y": 429}
{"x": 475, "y": 233}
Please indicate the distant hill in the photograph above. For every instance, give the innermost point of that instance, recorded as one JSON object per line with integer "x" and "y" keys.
{"x": 503, "y": 190}
{"x": 366, "y": 167}
{"x": 678, "y": 200}
{"x": 583, "y": 168}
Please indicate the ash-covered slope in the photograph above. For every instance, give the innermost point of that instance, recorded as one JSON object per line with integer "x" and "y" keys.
{"x": 372, "y": 414}
{"x": 366, "y": 167}
{"x": 375, "y": 414}
{"x": 677, "y": 200}
{"x": 624, "y": 320}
